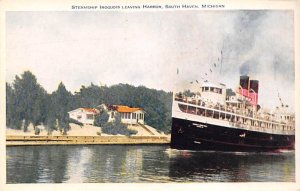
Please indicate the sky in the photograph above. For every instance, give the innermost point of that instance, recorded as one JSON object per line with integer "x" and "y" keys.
{"x": 148, "y": 48}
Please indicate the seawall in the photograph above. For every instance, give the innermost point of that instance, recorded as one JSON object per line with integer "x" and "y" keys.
{"x": 15, "y": 140}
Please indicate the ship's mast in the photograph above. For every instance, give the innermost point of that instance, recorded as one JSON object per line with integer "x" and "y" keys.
{"x": 221, "y": 60}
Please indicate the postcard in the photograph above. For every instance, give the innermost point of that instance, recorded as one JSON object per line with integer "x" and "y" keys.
{"x": 149, "y": 95}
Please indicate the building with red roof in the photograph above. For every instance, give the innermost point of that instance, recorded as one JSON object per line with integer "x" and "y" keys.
{"x": 129, "y": 115}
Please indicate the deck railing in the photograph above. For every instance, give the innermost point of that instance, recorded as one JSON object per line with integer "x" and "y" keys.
{"x": 264, "y": 123}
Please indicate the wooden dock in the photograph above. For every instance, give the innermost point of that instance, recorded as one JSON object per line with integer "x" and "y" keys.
{"x": 13, "y": 140}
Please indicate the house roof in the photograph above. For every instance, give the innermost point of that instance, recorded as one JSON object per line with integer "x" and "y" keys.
{"x": 91, "y": 110}
{"x": 126, "y": 109}
{"x": 87, "y": 110}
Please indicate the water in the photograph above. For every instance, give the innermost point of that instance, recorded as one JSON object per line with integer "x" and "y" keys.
{"x": 127, "y": 164}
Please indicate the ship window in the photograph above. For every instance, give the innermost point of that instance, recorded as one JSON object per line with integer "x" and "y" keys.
{"x": 220, "y": 91}
{"x": 216, "y": 115}
{"x": 191, "y": 110}
{"x": 182, "y": 107}
{"x": 206, "y": 88}
{"x": 209, "y": 113}
{"x": 211, "y": 89}
{"x": 228, "y": 116}
{"x": 222, "y": 115}
{"x": 200, "y": 111}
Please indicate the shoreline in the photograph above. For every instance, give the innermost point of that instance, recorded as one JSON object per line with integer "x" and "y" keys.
{"x": 33, "y": 140}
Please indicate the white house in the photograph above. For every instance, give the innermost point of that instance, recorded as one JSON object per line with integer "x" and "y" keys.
{"x": 84, "y": 115}
{"x": 129, "y": 115}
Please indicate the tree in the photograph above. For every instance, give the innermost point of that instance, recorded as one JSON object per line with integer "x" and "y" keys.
{"x": 50, "y": 121}
{"x": 101, "y": 119}
{"x": 61, "y": 105}
{"x": 89, "y": 96}
{"x": 12, "y": 120}
{"x": 28, "y": 101}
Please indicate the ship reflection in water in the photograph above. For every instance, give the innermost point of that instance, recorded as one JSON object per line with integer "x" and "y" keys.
{"x": 232, "y": 166}
{"x": 126, "y": 164}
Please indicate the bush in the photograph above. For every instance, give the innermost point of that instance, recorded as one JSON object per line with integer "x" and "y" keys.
{"x": 116, "y": 127}
{"x": 37, "y": 131}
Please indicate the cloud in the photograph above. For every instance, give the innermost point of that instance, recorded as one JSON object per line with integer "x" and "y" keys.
{"x": 146, "y": 48}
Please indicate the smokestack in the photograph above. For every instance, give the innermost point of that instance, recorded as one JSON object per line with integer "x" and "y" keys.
{"x": 244, "y": 85}
{"x": 249, "y": 88}
{"x": 254, "y": 86}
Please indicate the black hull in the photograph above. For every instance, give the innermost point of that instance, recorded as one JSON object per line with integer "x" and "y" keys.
{"x": 186, "y": 136}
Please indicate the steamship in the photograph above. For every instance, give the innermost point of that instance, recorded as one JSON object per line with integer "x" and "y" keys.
{"x": 221, "y": 120}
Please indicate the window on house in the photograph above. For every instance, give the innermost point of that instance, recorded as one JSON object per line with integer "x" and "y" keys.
{"x": 89, "y": 116}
